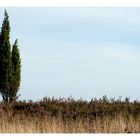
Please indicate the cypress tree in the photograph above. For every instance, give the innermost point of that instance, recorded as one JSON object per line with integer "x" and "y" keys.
{"x": 5, "y": 56}
{"x": 15, "y": 72}
{"x": 9, "y": 63}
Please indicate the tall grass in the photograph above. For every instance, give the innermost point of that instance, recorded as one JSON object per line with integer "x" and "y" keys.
{"x": 71, "y": 116}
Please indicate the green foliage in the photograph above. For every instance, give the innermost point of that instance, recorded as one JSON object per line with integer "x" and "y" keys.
{"x": 5, "y": 56}
{"x": 9, "y": 63}
{"x": 15, "y": 72}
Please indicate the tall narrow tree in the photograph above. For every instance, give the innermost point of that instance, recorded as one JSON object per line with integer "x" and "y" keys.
{"x": 15, "y": 72}
{"x": 5, "y": 58}
{"x": 9, "y": 63}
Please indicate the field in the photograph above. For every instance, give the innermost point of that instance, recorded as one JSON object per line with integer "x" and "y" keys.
{"x": 52, "y": 115}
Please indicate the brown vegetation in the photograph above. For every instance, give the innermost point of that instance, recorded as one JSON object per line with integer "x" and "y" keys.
{"x": 71, "y": 116}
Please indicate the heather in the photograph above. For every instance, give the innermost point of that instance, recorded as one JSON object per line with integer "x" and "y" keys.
{"x": 71, "y": 116}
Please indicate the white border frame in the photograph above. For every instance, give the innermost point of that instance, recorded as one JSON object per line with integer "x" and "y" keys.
{"x": 70, "y": 3}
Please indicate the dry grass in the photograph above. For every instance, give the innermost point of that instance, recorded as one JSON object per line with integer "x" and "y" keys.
{"x": 57, "y": 125}
{"x": 70, "y": 116}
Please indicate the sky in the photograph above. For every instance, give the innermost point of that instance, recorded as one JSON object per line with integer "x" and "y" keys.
{"x": 78, "y": 52}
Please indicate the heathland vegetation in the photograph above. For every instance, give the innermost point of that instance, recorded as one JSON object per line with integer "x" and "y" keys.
{"x": 71, "y": 116}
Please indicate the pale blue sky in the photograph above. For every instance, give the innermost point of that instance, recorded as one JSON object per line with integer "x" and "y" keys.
{"x": 83, "y": 52}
